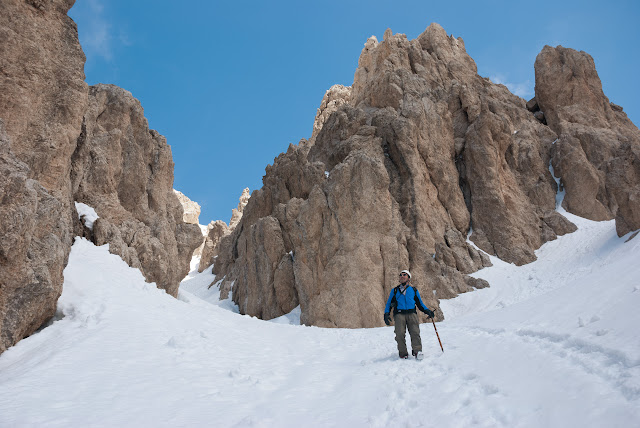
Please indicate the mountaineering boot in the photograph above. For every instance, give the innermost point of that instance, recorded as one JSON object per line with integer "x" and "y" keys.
{"x": 404, "y": 357}
{"x": 418, "y": 354}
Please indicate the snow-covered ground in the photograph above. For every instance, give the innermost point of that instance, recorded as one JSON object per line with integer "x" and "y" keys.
{"x": 550, "y": 344}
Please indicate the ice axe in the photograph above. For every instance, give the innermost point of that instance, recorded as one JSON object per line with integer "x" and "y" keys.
{"x": 434, "y": 327}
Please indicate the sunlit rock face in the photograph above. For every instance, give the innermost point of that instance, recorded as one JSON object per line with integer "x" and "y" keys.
{"x": 191, "y": 209}
{"x": 420, "y": 164}
{"x": 423, "y": 164}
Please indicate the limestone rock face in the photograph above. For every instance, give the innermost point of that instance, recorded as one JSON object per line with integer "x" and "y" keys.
{"x": 219, "y": 229}
{"x": 33, "y": 249}
{"x": 420, "y": 153}
{"x": 61, "y": 142}
{"x": 191, "y": 209}
{"x": 597, "y": 154}
{"x": 43, "y": 96}
{"x": 42, "y": 86}
{"x": 125, "y": 172}
{"x": 236, "y": 213}
{"x": 191, "y": 215}
{"x": 336, "y": 96}
{"x": 215, "y": 231}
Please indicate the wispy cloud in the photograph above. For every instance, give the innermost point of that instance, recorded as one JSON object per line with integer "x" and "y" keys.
{"x": 98, "y": 40}
{"x": 522, "y": 89}
{"x": 95, "y": 31}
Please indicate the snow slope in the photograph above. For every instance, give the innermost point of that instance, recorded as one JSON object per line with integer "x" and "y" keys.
{"x": 550, "y": 344}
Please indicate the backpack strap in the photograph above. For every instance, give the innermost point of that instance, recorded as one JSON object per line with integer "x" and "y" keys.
{"x": 415, "y": 298}
{"x": 394, "y": 300}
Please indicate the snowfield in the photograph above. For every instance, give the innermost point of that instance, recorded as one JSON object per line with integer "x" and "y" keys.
{"x": 550, "y": 344}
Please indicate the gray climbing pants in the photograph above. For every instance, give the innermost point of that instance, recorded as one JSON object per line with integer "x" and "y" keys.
{"x": 402, "y": 323}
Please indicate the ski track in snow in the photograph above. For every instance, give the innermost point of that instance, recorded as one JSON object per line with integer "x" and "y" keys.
{"x": 551, "y": 344}
{"x": 610, "y": 365}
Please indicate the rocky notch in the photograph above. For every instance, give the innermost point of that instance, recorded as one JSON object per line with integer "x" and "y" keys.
{"x": 192, "y": 216}
{"x": 216, "y": 230}
{"x": 62, "y": 142}
{"x": 418, "y": 157}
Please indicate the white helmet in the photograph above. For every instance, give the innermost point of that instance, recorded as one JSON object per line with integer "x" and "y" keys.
{"x": 407, "y": 272}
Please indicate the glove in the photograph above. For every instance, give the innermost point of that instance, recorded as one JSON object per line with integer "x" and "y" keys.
{"x": 387, "y": 318}
{"x": 430, "y": 313}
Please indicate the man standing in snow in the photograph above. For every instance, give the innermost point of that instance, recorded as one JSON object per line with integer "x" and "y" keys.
{"x": 404, "y": 298}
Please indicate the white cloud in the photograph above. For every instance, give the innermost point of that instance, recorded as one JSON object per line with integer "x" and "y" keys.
{"x": 98, "y": 39}
{"x": 95, "y": 31}
{"x": 522, "y": 89}
{"x": 96, "y": 6}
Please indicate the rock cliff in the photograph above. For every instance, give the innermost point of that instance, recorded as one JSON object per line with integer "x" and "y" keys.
{"x": 125, "y": 172}
{"x": 419, "y": 158}
{"x": 598, "y": 149}
{"x": 41, "y": 107}
{"x": 61, "y": 142}
{"x": 420, "y": 164}
{"x": 218, "y": 229}
{"x": 191, "y": 208}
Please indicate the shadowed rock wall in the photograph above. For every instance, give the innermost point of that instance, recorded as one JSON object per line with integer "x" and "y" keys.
{"x": 42, "y": 100}
{"x": 218, "y": 229}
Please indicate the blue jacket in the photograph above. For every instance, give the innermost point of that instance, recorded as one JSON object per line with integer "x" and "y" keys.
{"x": 405, "y": 303}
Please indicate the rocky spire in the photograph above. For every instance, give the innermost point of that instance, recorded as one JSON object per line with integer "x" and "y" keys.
{"x": 420, "y": 156}
{"x": 191, "y": 209}
{"x": 597, "y": 154}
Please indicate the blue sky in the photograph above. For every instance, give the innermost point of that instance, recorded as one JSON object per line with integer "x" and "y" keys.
{"x": 231, "y": 84}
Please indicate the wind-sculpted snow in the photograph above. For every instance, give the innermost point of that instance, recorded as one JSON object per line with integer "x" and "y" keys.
{"x": 551, "y": 344}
